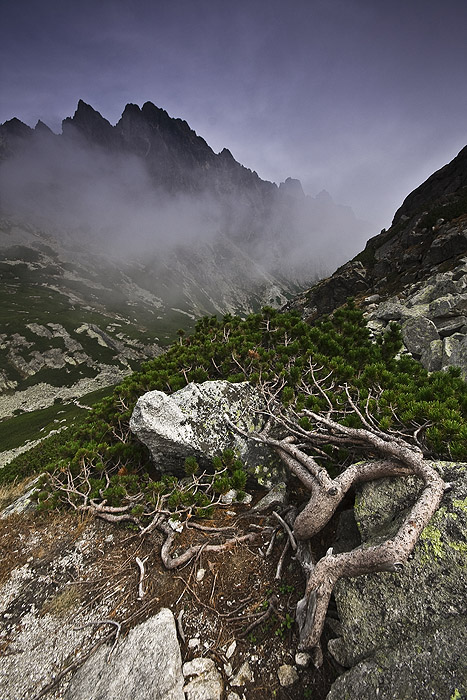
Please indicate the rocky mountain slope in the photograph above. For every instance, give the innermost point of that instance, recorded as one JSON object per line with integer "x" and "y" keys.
{"x": 414, "y": 273}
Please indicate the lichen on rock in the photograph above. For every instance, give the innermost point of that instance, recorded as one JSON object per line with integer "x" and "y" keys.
{"x": 405, "y": 633}
{"x": 192, "y": 422}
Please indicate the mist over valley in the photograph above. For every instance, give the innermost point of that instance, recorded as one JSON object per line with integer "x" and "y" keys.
{"x": 112, "y": 238}
{"x": 150, "y": 184}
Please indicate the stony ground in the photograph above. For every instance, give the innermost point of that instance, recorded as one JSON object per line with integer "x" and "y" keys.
{"x": 61, "y": 574}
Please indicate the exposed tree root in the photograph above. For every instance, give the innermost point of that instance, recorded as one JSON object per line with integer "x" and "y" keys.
{"x": 400, "y": 458}
{"x": 171, "y": 562}
{"x": 390, "y": 455}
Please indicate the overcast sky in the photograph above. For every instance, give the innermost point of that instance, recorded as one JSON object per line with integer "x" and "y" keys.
{"x": 364, "y": 98}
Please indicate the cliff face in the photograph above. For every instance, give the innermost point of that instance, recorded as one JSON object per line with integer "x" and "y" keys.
{"x": 444, "y": 185}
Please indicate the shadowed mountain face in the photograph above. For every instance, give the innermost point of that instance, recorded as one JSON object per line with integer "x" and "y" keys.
{"x": 428, "y": 236}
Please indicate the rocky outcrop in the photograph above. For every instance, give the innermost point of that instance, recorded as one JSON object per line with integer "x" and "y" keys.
{"x": 53, "y": 347}
{"x": 42, "y": 395}
{"x": 428, "y": 235}
{"x": 404, "y": 634}
{"x": 73, "y": 354}
{"x": 191, "y": 422}
{"x": 433, "y": 317}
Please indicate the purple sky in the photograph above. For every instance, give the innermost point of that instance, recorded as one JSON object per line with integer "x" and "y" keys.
{"x": 364, "y": 98}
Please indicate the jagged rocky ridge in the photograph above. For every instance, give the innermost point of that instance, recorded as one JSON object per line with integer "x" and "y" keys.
{"x": 149, "y": 153}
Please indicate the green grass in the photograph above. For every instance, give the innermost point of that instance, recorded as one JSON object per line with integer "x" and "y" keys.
{"x": 15, "y": 431}
{"x": 34, "y": 425}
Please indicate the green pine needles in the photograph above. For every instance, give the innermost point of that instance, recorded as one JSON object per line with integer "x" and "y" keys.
{"x": 307, "y": 366}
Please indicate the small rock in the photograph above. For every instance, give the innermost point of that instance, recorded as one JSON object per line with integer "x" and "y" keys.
{"x": 198, "y": 666}
{"x": 277, "y": 496}
{"x": 287, "y": 675}
{"x": 389, "y": 311}
{"x": 448, "y": 326}
{"x": 231, "y": 649}
{"x": 193, "y": 643}
{"x": 442, "y": 306}
{"x": 233, "y": 696}
{"x": 432, "y": 356}
{"x": 417, "y": 333}
{"x": 229, "y": 497}
{"x": 200, "y": 575}
{"x": 338, "y": 650}
{"x": 207, "y": 684}
{"x": 243, "y": 675}
{"x": 302, "y": 659}
{"x": 228, "y": 670}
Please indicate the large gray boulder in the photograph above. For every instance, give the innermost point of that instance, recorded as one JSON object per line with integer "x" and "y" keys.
{"x": 192, "y": 422}
{"x": 404, "y": 634}
{"x": 146, "y": 665}
{"x": 418, "y": 333}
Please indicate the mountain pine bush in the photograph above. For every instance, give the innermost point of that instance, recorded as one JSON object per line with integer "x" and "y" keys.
{"x": 269, "y": 348}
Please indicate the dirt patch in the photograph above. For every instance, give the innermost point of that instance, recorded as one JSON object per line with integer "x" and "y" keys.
{"x": 66, "y": 572}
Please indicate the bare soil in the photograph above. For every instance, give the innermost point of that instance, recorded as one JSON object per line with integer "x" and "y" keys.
{"x": 98, "y": 577}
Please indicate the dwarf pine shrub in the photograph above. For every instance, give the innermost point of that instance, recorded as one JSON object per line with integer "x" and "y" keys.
{"x": 292, "y": 357}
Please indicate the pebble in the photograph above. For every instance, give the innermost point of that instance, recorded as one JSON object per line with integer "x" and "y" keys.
{"x": 243, "y": 675}
{"x": 302, "y": 659}
{"x": 287, "y": 675}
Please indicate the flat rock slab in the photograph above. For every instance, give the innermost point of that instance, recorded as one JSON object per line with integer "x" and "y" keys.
{"x": 146, "y": 665}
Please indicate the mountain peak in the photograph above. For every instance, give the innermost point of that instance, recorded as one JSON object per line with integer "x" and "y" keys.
{"x": 90, "y": 123}
{"x": 42, "y": 128}
{"x": 292, "y": 187}
{"x": 15, "y": 127}
{"x": 324, "y": 196}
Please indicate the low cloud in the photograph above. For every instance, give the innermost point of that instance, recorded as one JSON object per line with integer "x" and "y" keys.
{"x": 107, "y": 199}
